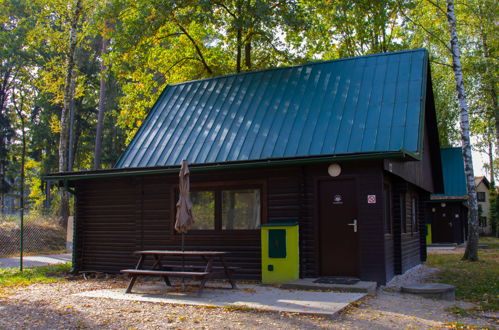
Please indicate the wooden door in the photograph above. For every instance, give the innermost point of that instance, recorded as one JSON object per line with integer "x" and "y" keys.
{"x": 338, "y": 236}
{"x": 442, "y": 226}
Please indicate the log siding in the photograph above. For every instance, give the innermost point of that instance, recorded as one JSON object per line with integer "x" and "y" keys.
{"x": 116, "y": 216}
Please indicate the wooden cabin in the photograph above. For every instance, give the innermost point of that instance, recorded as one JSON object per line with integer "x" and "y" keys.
{"x": 347, "y": 148}
{"x": 448, "y": 212}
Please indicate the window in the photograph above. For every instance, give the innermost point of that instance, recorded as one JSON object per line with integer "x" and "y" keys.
{"x": 240, "y": 209}
{"x": 482, "y": 221}
{"x": 226, "y": 209}
{"x": 414, "y": 214}
{"x": 387, "y": 213}
{"x": 203, "y": 209}
{"x": 480, "y": 196}
{"x": 403, "y": 214}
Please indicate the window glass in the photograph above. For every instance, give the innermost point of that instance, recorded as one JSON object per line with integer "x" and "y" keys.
{"x": 414, "y": 215}
{"x": 240, "y": 209}
{"x": 403, "y": 213}
{"x": 480, "y": 196}
{"x": 388, "y": 209}
{"x": 203, "y": 209}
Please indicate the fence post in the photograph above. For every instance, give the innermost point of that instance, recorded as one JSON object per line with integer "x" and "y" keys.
{"x": 21, "y": 247}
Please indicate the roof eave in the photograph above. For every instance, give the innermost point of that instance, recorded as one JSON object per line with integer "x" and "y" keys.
{"x": 73, "y": 176}
{"x": 448, "y": 198}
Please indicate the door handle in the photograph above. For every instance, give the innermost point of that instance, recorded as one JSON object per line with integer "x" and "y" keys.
{"x": 354, "y": 224}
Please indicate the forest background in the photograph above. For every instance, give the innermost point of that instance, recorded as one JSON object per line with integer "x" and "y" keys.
{"x": 77, "y": 77}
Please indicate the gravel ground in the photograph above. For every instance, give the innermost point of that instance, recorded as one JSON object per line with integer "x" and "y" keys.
{"x": 53, "y": 306}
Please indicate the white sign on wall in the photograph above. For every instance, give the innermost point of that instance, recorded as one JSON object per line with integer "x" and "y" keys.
{"x": 371, "y": 199}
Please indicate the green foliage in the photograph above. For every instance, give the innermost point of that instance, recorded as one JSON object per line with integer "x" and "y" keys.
{"x": 353, "y": 28}
{"x": 12, "y": 277}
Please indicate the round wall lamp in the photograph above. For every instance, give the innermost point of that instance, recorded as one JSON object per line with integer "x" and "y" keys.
{"x": 334, "y": 169}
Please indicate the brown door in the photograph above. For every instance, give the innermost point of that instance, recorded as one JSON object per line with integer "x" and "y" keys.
{"x": 442, "y": 226}
{"x": 338, "y": 235}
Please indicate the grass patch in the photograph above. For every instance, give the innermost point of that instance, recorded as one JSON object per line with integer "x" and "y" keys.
{"x": 11, "y": 277}
{"x": 491, "y": 242}
{"x": 459, "y": 311}
{"x": 474, "y": 281}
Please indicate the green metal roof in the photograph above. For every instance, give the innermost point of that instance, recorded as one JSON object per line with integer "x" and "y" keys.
{"x": 454, "y": 177}
{"x": 367, "y": 104}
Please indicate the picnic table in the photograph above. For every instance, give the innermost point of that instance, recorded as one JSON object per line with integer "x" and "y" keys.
{"x": 203, "y": 272}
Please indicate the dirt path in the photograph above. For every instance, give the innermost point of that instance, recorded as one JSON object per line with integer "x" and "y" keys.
{"x": 53, "y": 306}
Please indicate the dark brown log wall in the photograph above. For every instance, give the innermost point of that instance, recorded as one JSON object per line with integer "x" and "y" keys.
{"x": 116, "y": 216}
{"x": 409, "y": 248}
{"x": 105, "y": 224}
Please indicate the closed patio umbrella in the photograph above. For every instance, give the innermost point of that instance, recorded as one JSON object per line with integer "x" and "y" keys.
{"x": 184, "y": 218}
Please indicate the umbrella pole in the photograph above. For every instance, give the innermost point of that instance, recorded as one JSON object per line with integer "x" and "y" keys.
{"x": 183, "y": 262}
{"x": 182, "y": 243}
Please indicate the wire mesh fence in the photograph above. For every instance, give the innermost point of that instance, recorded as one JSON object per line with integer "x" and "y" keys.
{"x": 41, "y": 235}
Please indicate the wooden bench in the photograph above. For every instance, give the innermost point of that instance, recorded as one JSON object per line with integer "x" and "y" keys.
{"x": 207, "y": 272}
{"x": 232, "y": 269}
{"x": 163, "y": 273}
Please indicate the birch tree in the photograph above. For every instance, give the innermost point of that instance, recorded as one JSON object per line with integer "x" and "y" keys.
{"x": 471, "y": 252}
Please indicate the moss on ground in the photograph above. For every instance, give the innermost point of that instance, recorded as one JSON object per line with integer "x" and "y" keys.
{"x": 12, "y": 277}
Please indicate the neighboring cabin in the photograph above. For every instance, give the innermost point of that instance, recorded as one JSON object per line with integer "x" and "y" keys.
{"x": 448, "y": 212}
{"x": 483, "y": 197}
{"x": 347, "y": 148}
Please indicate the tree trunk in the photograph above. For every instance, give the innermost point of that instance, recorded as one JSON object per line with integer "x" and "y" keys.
{"x": 471, "y": 252}
{"x": 491, "y": 163}
{"x": 65, "y": 122}
{"x": 247, "y": 53}
{"x": 71, "y": 143}
{"x": 102, "y": 105}
{"x": 239, "y": 50}
{"x": 2, "y": 177}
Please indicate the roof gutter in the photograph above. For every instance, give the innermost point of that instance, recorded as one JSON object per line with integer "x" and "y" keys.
{"x": 72, "y": 176}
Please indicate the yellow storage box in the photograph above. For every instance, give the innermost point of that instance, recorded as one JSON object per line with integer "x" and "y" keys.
{"x": 280, "y": 252}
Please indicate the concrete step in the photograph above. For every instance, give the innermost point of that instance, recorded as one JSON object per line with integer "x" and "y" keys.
{"x": 431, "y": 290}
{"x": 309, "y": 284}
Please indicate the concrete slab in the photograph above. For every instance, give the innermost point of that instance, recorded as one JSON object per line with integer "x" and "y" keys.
{"x": 36, "y": 261}
{"x": 308, "y": 284}
{"x": 441, "y": 246}
{"x": 247, "y": 296}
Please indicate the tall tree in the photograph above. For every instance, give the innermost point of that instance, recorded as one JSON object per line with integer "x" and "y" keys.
{"x": 64, "y": 144}
{"x": 102, "y": 99}
{"x": 12, "y": 36}
{"x": 185, "y": 40}
{"x": 471, "y": 252}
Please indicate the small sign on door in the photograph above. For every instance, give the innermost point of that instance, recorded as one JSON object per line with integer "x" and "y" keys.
{"x": 371, "y": 199}
{"x": 337, "y": 200}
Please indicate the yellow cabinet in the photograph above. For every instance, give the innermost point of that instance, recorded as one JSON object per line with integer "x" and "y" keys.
{"x": 280, "y": 252}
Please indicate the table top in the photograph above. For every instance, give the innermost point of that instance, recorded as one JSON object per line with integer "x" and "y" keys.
{"x": 180, "y": 253}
